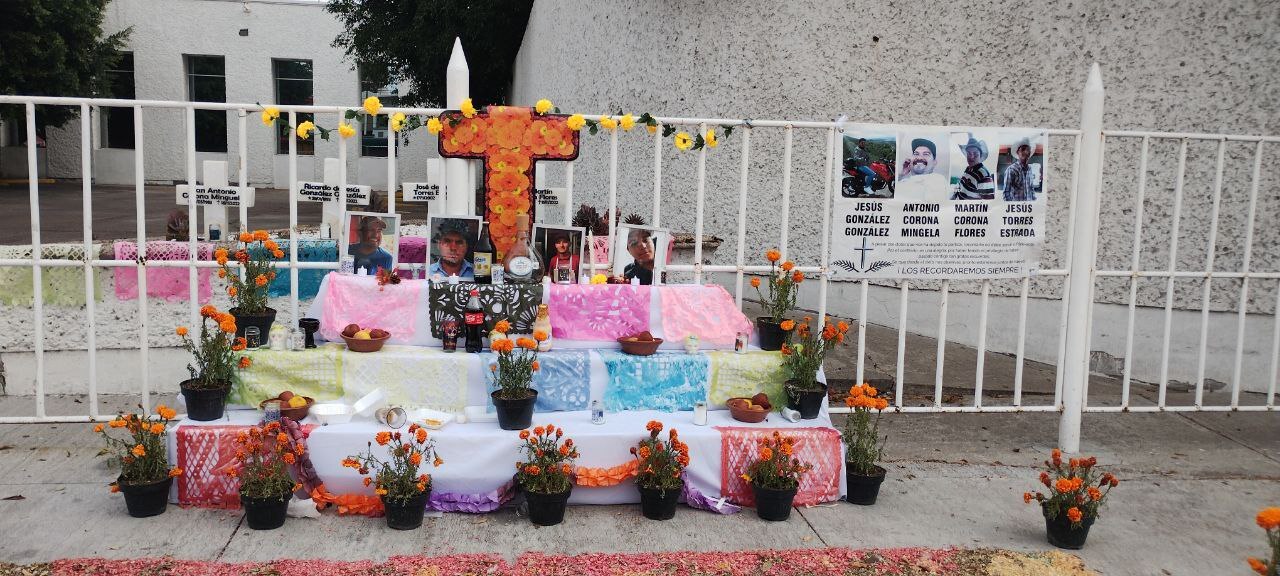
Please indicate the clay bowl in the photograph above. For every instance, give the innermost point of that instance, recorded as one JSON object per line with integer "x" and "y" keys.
{"x": 738, "y": 409}
{"x": 294, "y": 414}
{"x": 640, "y": 347}
{"x": 370, "y": 345}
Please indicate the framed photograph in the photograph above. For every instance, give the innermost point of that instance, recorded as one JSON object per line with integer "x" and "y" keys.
{"x": 373, "y": 240}
{"x": 561, "y": 248}
{"x": 639, "y": 252}
{"x": 451, "y": 240}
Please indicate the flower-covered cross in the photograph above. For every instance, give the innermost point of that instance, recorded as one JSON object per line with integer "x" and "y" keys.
{"x": 510, "y": 140}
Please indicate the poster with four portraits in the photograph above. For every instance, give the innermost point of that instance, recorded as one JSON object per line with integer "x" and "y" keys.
{"x": 938, "y": 202}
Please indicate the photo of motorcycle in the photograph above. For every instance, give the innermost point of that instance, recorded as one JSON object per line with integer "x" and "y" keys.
{"x": 855, "y": 183}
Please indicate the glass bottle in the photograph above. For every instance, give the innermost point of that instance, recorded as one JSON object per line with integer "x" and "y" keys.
{"x": 521, "y": 263}
{"x": 482, "y": 257}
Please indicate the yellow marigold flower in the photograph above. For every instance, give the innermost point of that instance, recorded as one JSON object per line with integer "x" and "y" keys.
{"x": 683, "y": 141}
{"x": 468, "y": 109}
{"x": 305, "y": 129}
{"x": 434, "y": 126}
{"x": 608, "y": 123}
{"x": 397, "y": 121}
{"x": 599, "y": 279}
{"x": 710, "y": 138}
{"x": 139, "y": 451}
{"x": 346, "y": 130}
{"x": 269, "y": 115}
{"x": 543, "y": 106}
{"x": 372, "y": 105}
{"x": 575, "y": 122}
{"x": 627, "y": 121}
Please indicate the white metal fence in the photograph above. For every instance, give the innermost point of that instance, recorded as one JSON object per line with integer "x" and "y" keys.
{"x": 1078, "y": 277}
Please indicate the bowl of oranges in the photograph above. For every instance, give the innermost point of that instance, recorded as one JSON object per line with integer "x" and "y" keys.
{"x": 292, "y": 406}
{"x": 750, "y": 410}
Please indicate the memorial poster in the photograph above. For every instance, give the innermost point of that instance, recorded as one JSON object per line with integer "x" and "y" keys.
{"x": 936, "y": 203}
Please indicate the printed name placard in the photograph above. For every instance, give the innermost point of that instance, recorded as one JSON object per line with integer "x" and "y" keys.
{"x": 218, "y": 195}
{"x": 936, "y": 203}
{"x": 321, "y": 192}
{"x": 421, "y": 192}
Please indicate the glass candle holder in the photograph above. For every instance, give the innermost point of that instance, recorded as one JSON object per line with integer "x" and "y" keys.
{"x": 700, "y": 413}
{"x": 271, "y": 411}
{"x": 252, "y": 337}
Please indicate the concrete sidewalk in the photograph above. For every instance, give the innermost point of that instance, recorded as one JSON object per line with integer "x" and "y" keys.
{"x": 1191, "y": 487}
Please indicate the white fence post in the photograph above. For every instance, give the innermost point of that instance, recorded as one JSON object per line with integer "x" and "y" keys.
{"x": 1075, "y": 370}
{"x": 459, "y": 198}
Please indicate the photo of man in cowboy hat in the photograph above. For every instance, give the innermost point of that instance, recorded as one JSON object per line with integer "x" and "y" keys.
{"x": 971, "y": 178}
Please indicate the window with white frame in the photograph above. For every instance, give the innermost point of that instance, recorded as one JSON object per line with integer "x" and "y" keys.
{"x": 207, "y": 82}
{"x": 117, "y": 123}
{"x": 293, "y": 86}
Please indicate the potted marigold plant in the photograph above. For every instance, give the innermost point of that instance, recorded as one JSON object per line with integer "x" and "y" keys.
{"x": 403, "y": 490}
{"x": 145, "y": 475}
{"x": 802, "y": 357}
{"x": 783, "y": 285}
{"x": 256, "y": 255}
{"x": 775, "y": 477}
{"x": 512, "y": 375}
{"x": 263, "y": 456}
{"x": 215, "y": 357}
{"x": 1076, "y": 490}
{"x": 863, "y": 446}
{"x": 659, "y": 472}
{"x": 1269, "y": 520}
{"x": 546, "y": 474}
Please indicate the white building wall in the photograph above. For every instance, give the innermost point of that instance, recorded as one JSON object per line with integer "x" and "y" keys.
{"x": 163, "y": 32}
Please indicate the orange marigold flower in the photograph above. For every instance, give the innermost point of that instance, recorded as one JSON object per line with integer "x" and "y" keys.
{"x": 797, "y": 276}
{"x": 773, "y": 255}
{"x": 1044, "y": 478}
{"x": 289, "y": 458}
{"x": 166, "y": 412}
{"x": 535, "y": 366}
{"x": 1064, "y": 485}
{"x": 415, "y": 459}
{"x": 524, "y": 434}
{"x": 245, "y": 362}
{"x": 532, "y": 470}
{"x": 367, "y": 481}
{"x": 1073, "y": 514}
{"x": 537, "y": 430}
{"x": 231, "y": 291}
{"x": 383, "y": 438}
{"x": 175, "y": 472}
{"x": 653, "y": 426}
{"x": 97, "y": 427}
{"x": 1026, "y": 497}
{"x": 787, "y": 266}
{"x": 755, "y": 282}
{"x": 766, "y": 453}
{"x": 437, "y": 462}
{"x": 1057, "y": 457}
{"x": 157, "y": 428}
{"x": 644, "y": 451}
{"x": 260, "y": 235}
{"x": 421, "y": 435}
{"x": 564, "y": 450}
{"x": 842, "y": 326}
{"x": 181, "y": 330}
{"x": 1258, "y": 566}
{"x": 260, "y": 280}
{"x": 246, "y": 237}
{"x": 1269, "y": 518}
{"x": 380, "y": 491}
{"x": 139, "y": 451}
{"x": 208, "y": 310}
{"x": 502, "y": 326}
{"x": 502, "y": 345}
{"x": 565, "y": 468}
{"x": 1094, "y": 493}
{"x": 278, "y": 253}
{"x": 526, "y": 343}
{"x": 115, "y": 487}
{"x": 540, "y": 335}
{"x": 787, "y": 325}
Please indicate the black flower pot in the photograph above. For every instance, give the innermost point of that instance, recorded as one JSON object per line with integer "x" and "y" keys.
{"x": 144, "y": 500}
{"x": 862, "y": 489}
{"x": 265, "y": 513}
{"x": 263, "y": 320}
{"x": 1062, "y": 535}
{"x": 771, "y": 334}
{"x": 405, "y": 513}
{"x": 514, "y": 414}
{"x": 204, "y": 404}
{"x": 773, "y": 505}
{"x": 807, "y": 402}
{"x": 547, "y": 509}
{"x": 657, "y": 503}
